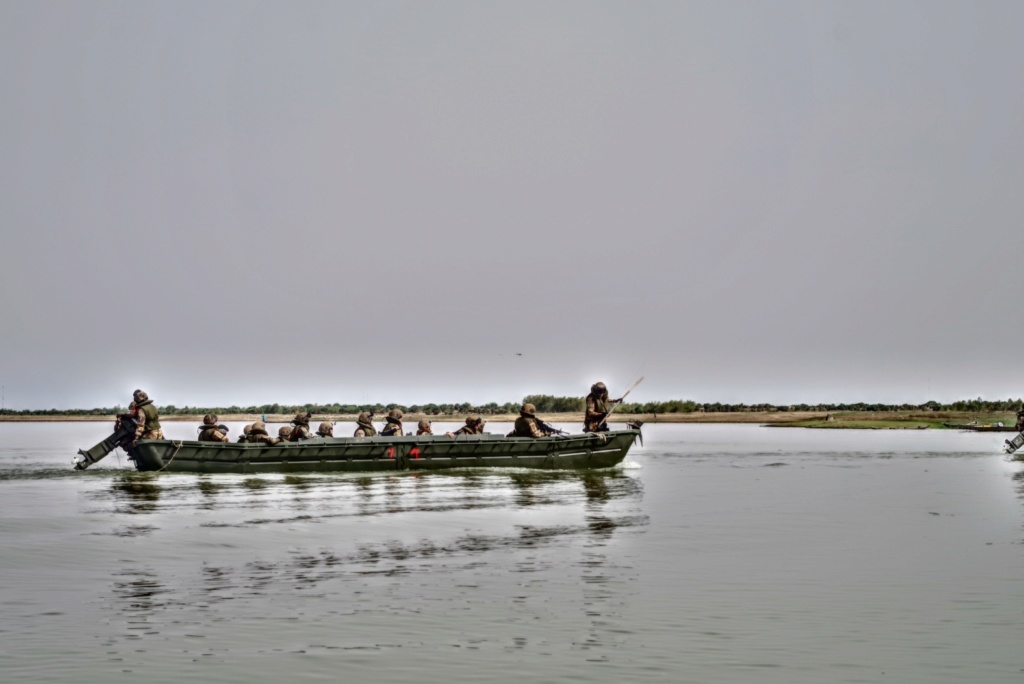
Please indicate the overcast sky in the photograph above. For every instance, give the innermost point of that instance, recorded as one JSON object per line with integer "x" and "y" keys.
{"x": 244, "y": 202}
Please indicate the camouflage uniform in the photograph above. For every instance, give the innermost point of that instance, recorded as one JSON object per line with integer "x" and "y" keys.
{"x": 325, "y": 430}
{"x": 148, "y": 420}
{"x": 423, "y": 428}
{"x": 526, "y": 423}
{"x": 598, "y": 407}
{"x": 283, "y": 435}
{"x": 301, "y": 431}
{"x": 394, "y": 425}
{"x": 244, "y": 437}
{"x": 474, "y": 426}
{"x": 257, "y": 434}
{"x": 364, "y": 426}
{"x": 1020, "y": 420}
{"x": 133, "y": 413}
{"x": 210, "y": 431}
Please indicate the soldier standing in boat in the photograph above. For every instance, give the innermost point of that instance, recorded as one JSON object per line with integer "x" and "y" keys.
{"x": 364, "y": 425}
{"x": 301, "y": 429}
{"x": 474, "y": 426}
{"x": 147, "y": 420}
{"x": 394, "y": 424}
{"x": 424, "y": 428}
{"x": 210, "y": 431}
{"x": 283, "y": 435}
{"x": 325, "y": 430}
{"x": 1019, "y": 427}
{"x": 598, "y": 408}
{"x": 527, "y": 424}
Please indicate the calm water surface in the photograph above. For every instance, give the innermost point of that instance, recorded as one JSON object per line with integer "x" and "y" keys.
{"x": 718, "y": 553}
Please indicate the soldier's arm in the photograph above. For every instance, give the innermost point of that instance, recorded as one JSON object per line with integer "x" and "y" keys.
{"x": 535, "y": 431}
{"x": 140, "y": 424}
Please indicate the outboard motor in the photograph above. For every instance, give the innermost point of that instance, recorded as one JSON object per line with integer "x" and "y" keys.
{"x": 1013, "y": 444}
{"x": 122, "y": 437}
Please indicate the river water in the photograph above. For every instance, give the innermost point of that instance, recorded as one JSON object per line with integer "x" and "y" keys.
{"x": 717, "y": 553}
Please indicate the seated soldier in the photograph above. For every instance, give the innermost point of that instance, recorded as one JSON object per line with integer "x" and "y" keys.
{"x": 526, "y": 423}
{"x": 258, "y": 434}
{"x": 424, "y": 428}
{"x": 325, "y": 430}
{"x": 474, "y": 426}
{"x": 364, "y": 425}
{"x": 210, "y": 431}
{"x": 301, "y": 431}
{"x": 244, "y": 437}
{"x": 394, "y": 424}
{"x": 283, "y": 435}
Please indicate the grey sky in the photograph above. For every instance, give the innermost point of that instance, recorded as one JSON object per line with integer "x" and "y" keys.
{"x": 746, "y": 201}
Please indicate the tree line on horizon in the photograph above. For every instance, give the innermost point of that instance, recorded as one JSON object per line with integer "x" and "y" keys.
{"x": 545, "y": 404}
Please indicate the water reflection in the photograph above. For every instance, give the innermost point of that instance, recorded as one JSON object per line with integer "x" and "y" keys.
{"x": 138, "y": 493}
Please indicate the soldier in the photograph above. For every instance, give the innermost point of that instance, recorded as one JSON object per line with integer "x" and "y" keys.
{"x": 133, "y": 413}
{"x": 244, "y": 437}
{"x": 394, "y": 426}
{"x": 423, "y": 428}
{"x": 283, "y": 435}
{"x": 1020, "y": 419}
{"x": 474, "y": 426}
{"x": 325, "y": 430}
{"x": 526, "y": 423}
{"x": 257, "y": 434}
{"x": 364, "y": 425}
{"x": 301, "y": 431}
{"x": 210, "y": 431}
{"x": 148, "y": 420}
{"x": 598, "y": 408}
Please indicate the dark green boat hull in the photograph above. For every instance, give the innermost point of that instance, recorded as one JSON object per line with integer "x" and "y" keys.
{"x": 350, "y": 454}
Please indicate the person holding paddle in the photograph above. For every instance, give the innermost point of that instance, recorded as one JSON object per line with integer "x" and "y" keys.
{"x": 598, "y": 408}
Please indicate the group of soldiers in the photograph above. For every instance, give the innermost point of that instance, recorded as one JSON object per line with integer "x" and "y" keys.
{"x": 147, "y": 423}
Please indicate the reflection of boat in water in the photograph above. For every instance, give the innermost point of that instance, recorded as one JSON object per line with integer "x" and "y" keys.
{"x": 426, "y": 452}
{"x": 974, "y": 427}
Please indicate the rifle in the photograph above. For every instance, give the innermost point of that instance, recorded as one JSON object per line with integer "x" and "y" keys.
{"x": 550, "y": 428}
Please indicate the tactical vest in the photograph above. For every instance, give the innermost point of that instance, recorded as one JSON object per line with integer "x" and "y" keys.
{"x": 152, "y": 417}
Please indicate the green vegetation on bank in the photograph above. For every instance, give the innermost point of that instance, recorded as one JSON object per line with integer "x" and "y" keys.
{"x": 551, "y": 404}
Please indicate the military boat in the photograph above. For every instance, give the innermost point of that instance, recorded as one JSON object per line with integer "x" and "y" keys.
{"x": 320, "y": 454}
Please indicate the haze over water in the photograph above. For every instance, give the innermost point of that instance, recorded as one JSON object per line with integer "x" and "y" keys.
{"x": 719, "y": 553}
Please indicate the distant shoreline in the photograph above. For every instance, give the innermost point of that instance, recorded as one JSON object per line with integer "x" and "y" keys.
{"x": 864, "y": 420}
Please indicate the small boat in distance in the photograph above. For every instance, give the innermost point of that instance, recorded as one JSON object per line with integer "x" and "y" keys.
{"x": 975, "y": 427}
{"x": 354, "y": 454}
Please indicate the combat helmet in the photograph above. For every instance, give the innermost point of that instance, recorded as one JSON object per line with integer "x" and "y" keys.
{"x": 139, "y": 397}
{"x": 285, "y": 432}
{"x": 598, "y": 387}
{"x": 528, "y": 411}
{"x": 394, "y": 416}
{"x": 364, "y": 419}
{"x": 326, "y": 429}
{"x": 210, "y": 419}
{"x": 423, "y": 424}
{"x": 301, "y": 419}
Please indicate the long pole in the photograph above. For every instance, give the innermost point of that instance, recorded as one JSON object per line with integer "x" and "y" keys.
{"x": 616, "y": 404}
